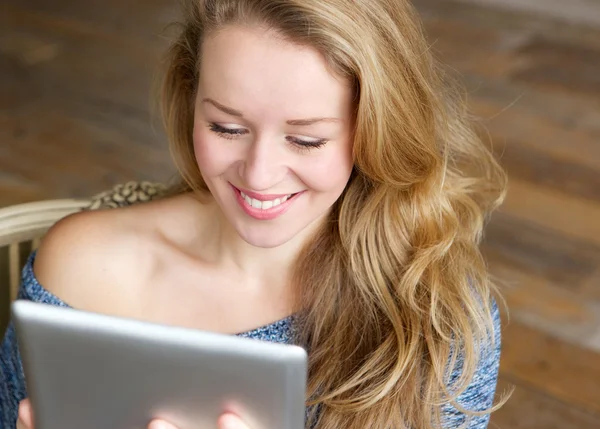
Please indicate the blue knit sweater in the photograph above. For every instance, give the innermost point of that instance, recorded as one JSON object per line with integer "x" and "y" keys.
{"x": 478, "y": 396}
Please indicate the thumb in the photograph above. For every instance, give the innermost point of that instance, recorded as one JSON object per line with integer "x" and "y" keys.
{"x": 160, "y": 424}
{"x": 231, "y": 421}
{"x": 25, "y": 413}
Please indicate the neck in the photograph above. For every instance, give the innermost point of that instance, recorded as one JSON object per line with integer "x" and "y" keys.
{"x": 257, "y": 264}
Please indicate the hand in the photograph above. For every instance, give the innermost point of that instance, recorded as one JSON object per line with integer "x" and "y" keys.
{"x": 25, "y": 420}
{"x": 226, "y": 421}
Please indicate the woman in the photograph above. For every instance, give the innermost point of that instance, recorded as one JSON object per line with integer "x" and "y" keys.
{"x": 334, "y": 195}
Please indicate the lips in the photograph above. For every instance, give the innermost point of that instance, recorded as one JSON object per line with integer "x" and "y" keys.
{"x": 265, "y": 207}
{"x": 263, "y": 203}
{"x": 261, "y": 197}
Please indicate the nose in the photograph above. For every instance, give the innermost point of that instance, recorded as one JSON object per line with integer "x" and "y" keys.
{"x": 263, "y": 165}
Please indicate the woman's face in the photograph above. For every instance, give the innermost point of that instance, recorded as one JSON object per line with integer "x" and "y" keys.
{"x": 272, "y": 133}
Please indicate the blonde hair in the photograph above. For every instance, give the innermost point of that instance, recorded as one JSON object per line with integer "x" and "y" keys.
{"x": 394, "y": 282}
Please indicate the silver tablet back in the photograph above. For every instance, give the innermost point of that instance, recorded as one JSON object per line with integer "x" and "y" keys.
{"x": 91, "y": 371}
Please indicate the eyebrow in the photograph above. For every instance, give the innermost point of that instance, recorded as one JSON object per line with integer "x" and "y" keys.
{"x": 297, "y": 122}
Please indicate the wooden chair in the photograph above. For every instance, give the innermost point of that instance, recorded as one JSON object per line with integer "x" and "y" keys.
{"x": 22, "y": 227}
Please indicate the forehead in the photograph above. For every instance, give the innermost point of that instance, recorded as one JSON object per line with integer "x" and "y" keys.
{"x": 256, "y": 70}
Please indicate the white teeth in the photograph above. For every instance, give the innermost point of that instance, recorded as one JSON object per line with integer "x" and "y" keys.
{"x": 264, "y": 205}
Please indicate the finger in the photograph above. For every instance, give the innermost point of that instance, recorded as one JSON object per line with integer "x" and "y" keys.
{"x": 231, "y": 421}
{"x": 160, "y": 424}
{"x": 22, "y": 425}
{"x": 25, "y": 414}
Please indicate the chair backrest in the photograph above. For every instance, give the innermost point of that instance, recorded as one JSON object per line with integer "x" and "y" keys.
{"x": 22, "y": 227}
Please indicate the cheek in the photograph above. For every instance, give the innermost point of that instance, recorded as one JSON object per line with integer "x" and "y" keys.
{"x": 211, "y": 158}
{"x": 328, "y": 173}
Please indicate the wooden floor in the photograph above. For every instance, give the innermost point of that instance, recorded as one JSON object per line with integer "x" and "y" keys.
{"x": 75, "y": 81}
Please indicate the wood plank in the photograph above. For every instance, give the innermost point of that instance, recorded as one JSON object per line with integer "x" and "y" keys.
{"x": 545, "y": 169}
{"x": 494, "y": 55}
{"x": 453, "y": 43}
{"x": 481, "y": 16}
{"x": 529, "y": 248}
{"x": 547, "y": 307}
{"x": 555, "y": 65}
{"x": 564, "y": 371}
{"x": 573, "y": 216}
{"x": 140, "y": 20}
{"x": 106, "y": 127}
{"x": 590, "y": 288}
{"x": 105, "y": 151}
{"x": 567, "y": 111}
{"x": 547, "y": 278}
{"x": 530, "y": 408}
{"x": 124, "y": 76}
{"x": 577, "y": 11}
{"x": 510, "y": 123}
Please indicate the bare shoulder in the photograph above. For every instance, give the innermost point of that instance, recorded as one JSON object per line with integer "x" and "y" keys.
{"x": 99, "y": 260}
{"x": 85, "y": 258}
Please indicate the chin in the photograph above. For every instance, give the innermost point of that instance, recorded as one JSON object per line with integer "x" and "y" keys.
{"x": 267, "y": 239}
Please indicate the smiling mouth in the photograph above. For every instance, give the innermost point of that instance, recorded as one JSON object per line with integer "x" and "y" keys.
{"x": 268, "y": 204}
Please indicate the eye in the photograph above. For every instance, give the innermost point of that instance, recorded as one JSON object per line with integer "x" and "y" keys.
{"x": 306, "y": 145}
{"x": 227, "y": 133}
{"x": 299, "y": 144}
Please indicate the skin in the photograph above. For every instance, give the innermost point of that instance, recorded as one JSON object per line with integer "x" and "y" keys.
{"x": 211, "y": 265}
{"x": 226, "y": 421}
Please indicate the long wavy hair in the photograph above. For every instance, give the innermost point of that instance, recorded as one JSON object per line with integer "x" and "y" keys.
{"x": 394, "y": 281}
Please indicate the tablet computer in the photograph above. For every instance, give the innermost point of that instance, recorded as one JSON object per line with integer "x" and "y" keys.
{"x": 92, "y": 371}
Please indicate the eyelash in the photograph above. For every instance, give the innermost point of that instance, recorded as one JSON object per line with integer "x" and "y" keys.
{"x": 230, "y": 134}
